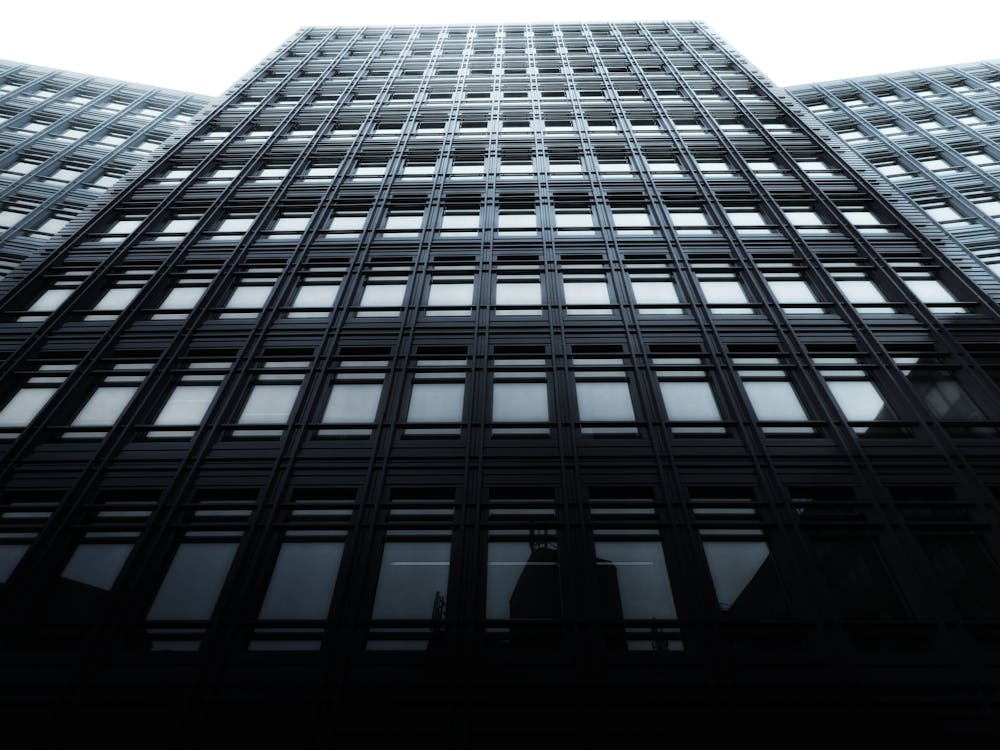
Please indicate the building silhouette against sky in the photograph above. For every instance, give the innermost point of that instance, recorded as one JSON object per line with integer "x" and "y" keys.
{"x": 499, "y": 381}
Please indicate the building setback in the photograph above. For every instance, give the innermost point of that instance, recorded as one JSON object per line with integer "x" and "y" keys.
{"x": 66, "y": 139}
{"x": 493, "y": 384}
{"x": 934, "y": 134}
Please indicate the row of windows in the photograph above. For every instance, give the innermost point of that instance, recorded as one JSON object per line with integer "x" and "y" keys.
{"x": 521, "y": 572}
{"x": 520, "y": 290}
{"x": 520, "y": 400}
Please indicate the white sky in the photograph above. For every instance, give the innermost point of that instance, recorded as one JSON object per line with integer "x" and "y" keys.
{"x": 205, "y": 45}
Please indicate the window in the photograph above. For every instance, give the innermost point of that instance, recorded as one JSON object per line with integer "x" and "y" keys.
{"x": 792, "y": 292}
{"x": 22, "y": 408}
{"x": 193, "y": 582}
{"x": 450, "y": 296}
{"x": 518, "y": 294}
{"x": 603, "y": 398}
{"x": 97, "y": 565}
{"x": 248, "y": 298}
{"x": 633, "y": 581}
{"x": 688, "y": 396}
{"x": 272, "y": 398}
{"x": 352, "y": 407}
{"x": 520, "y": 397}
{"x": 382, "y": 297}
{"x": 189, "y": 402}
{"x": 437, "y": 398}
{"x": 653, "y": 289}
{"x": 302, "y": 582}
{"x": 772, "y": 398}
{"x": 315, "y": 297}
{"x": 748, "y": 222}
{"x": 723, "y": 292}
{"x": 413, "y": 580}
{"x": 583, "y": 291}
{"x": 183, "y": 298}
{"x": 109, "y": 400}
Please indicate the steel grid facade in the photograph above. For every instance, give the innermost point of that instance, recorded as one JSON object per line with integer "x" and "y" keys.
{"x": 550, "y": 376}
{"x": 66, "y": 140}
{"x": 934, "y": 135}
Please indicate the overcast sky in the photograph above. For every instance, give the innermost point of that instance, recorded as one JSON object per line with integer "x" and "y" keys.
{"x": 205, "y": 45}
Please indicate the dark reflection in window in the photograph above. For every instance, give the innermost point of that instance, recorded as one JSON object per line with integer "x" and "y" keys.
{"x": 744, "y": 578}
{"x": 193, "y": 582}
{"x": 858, "y": 579}
{"x": 10, "y": 556}
{"x": 522, "y": 580}
{"x": 412, "y": 581}
{"x": 633, "y": 580}
{"x": 302, "y": 583}
{"x": 969, "y": 575}
{"x": 97, "y": 565}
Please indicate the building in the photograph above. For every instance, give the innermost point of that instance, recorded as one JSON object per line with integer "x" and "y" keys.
{"x": 65, "y": 140}
{"x": 932, "y": 133}
{"x": 500, "y": 385}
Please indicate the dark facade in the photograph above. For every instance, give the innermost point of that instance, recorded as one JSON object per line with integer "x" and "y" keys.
{"x": 500, "y": 384}
{"x": 934, "y": 134}
{"x": 67, "y": 139}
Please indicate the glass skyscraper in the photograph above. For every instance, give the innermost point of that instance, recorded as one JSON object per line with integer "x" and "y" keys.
{"x": 499, "y": 382}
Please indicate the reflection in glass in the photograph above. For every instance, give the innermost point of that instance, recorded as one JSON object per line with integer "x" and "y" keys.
{"x": 412, "y": 581}
{"x": 633, "y": 581}
{"x": 733, "y": 565}
{"x": 522, "y": 580}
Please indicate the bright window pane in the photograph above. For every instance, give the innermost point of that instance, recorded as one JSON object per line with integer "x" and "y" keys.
{"x": 183, "y": 298}
{"x": 689, "y": 401}
{"x": 352, "y": 403}
{"x": 520, "y": 402}
{"x": 105, "y": 406}
{"x": 24, "y": 406}
{"x": 733, "y": 566}
{"x": 187, "y": 405}
{"x": 775, "y": 401}
{"x": 604, "y": 401}
{"x": 436, "y": 402}
{"x": 859, "y": 400}
{"x": 269, "y": 404}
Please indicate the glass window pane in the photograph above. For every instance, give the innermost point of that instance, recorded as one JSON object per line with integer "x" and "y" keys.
{"x": 24, "y": 406}
{"x": 193, "y": 583}
{"x": 183, "y": 298}
{"x": 723, "y": 292}
{"x": 105, "y": 406}
{"x": 249, "y": 297}
{"x": 929, "y": 291}
{"x": 520, "y": 402}
{"x": 604, "y": 401}
{"x": 383, "y": 295}
{"x": 316, "y": 295}
{"x": 860, "y": 291}
{"x": 50, "y": 300}
{"x": 117, "y": 299}
{"x": 586, "y": 293}
{"x": 654, "y": 292}
{"x": 859, "y": 400}
{"x": 733, "y": 566}
{"x": 97, "y": 565}
{"x": 519, "y": 293}
{"x": 689, "y": 401}
{"x": 436, "y": 402}
{"x": 303, "y": 580}
{"x": 522, "y": 581}
{"x": 353, "y": 403}
{"x": 450, "y": 295}
{"x": 269, "y": 404}
{"x": 413, "y": 580}
{"x": 792, "y": 292}
{"x": 10, "y": 556}
{"x": 633, "y": 580}
{"x": 187, "y": 405}
{"x": 774, "y": 401}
